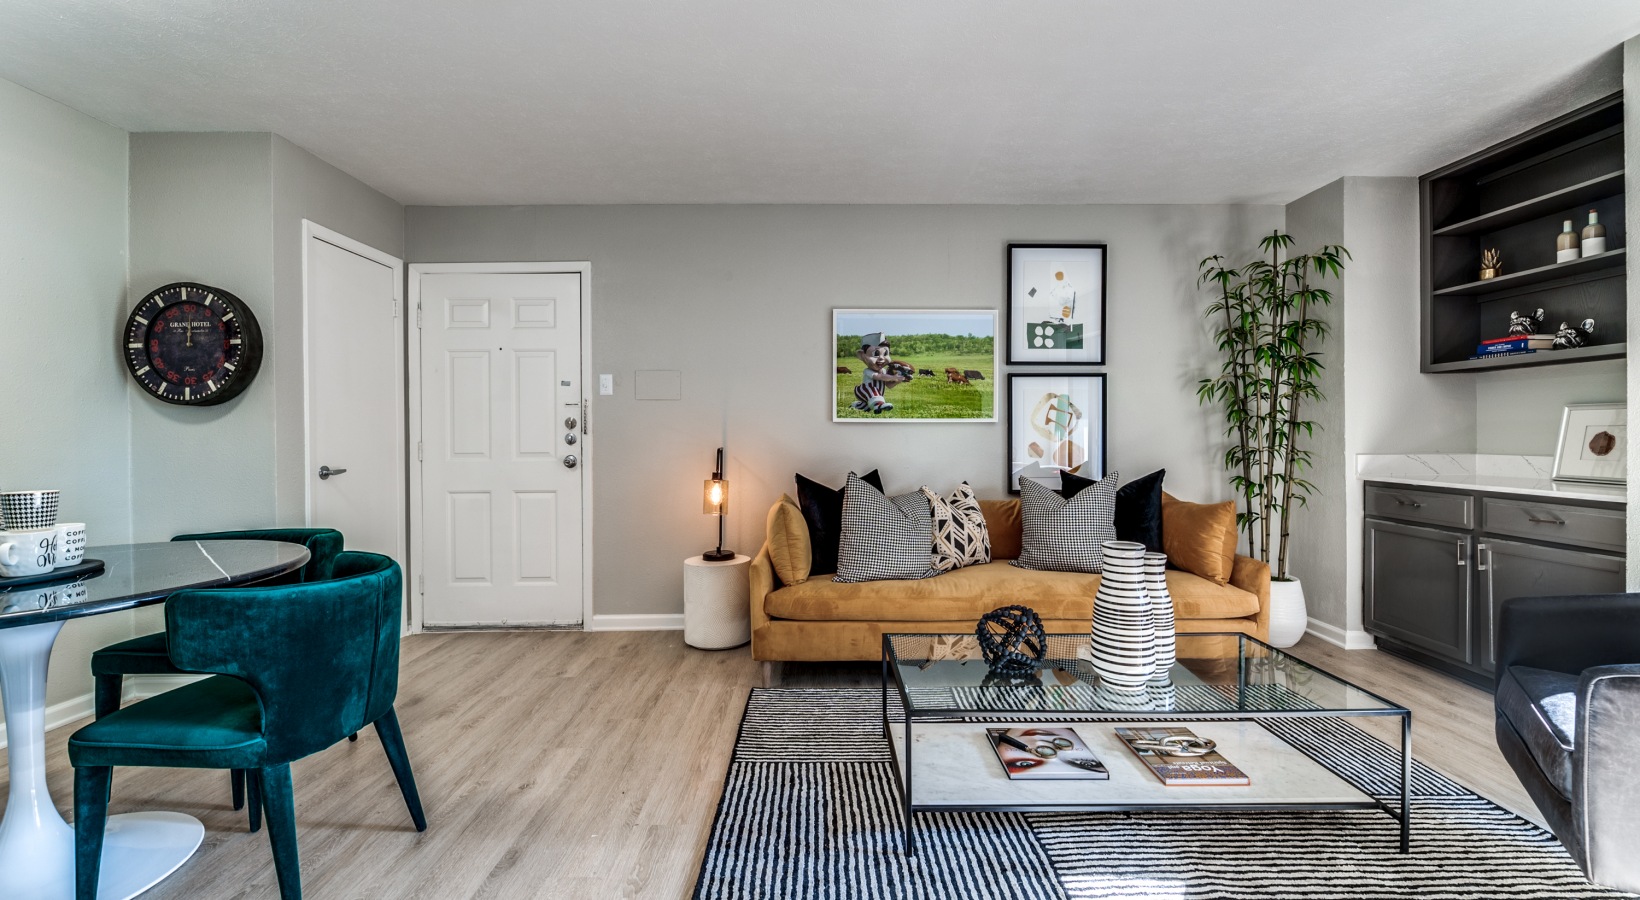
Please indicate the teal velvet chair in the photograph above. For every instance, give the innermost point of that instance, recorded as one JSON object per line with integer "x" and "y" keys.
{"x": 297, "y": 668}
{"x": 147, "y": 655}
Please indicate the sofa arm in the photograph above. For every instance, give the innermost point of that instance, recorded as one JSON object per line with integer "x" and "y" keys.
{"x": 1606, "y": 795}
{"x": 1568, "y": 634}
{"x": 762, "y": 582}
{"x": 1253, "y": 576}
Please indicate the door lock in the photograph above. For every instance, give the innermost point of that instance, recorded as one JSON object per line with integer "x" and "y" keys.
{"x": 570, "y": 461}
{"x": 569, "y": 438}
{"x": 325, "y": 472}
{"x": 570, "y": 422}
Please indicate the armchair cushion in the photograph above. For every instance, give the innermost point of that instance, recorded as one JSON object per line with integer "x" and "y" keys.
{"x": 1542, "y": 706}
{"x": 211, "y": 724}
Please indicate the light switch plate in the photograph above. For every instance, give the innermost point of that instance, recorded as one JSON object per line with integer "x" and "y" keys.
{"x": 606, "y": 384}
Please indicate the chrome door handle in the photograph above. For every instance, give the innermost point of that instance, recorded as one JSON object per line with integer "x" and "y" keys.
{"x": 1480, "y": 557}
{"x": 1402, "y": 501}
{"x": 1461, "y": 560}
{"x": 570, "y": 461}
{"x": 326, "y": 471}
{"x": 1552, "y": 520}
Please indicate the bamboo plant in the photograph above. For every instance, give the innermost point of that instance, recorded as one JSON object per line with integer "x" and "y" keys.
{"x": 1265, "y": 321}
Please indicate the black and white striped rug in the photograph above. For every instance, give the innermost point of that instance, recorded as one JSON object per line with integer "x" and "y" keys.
{"x": 810, "y": 809}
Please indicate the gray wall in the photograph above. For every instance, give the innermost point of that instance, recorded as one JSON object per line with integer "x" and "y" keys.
{"x": 62, "y": 289}
{"x": 739, "y": 299}
{"x": 1518, "y": 411}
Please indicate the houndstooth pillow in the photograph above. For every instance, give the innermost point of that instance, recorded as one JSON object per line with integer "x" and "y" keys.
{"x": 884, "y": 538}
{"x": 1063, "y": 535}
{"x": 960, "y": 536}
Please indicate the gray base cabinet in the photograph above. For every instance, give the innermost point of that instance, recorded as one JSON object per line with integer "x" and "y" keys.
{"x": 1439, "y": 564}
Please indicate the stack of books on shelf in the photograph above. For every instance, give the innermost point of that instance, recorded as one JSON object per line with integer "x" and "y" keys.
{"x": 1515, "y": 345}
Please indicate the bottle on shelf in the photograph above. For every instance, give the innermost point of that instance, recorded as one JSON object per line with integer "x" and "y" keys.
{"x": 1594, "y": 236}
{"x": 1566, "y": 246}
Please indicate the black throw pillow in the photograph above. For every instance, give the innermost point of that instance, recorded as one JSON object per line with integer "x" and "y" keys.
{"x": 823, "y": 512}
{"x": 1138, "y": 506}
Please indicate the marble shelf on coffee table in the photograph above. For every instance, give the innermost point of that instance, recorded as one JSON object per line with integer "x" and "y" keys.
{"x": 1221, "y": 687}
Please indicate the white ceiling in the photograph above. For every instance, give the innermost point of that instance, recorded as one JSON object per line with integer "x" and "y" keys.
{"x": 858, "y": 101}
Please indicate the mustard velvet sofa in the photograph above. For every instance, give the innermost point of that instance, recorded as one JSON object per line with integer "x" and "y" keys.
{"x": 821, "y": 620}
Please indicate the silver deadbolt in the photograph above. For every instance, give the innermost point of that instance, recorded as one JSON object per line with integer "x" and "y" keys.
{"x": 570, "y": 461}
{"x": 325, "y": 472}
{"x": 569, "y": 438}
{"x": 570, "y": 423}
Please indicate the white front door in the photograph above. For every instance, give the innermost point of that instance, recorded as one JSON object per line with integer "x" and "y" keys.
{"x": 501, "y": 444}
{"x": 355, "y": 393}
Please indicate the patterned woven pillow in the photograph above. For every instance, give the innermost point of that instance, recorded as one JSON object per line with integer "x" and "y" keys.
{"x": 1063, "y": 535}
{"x": 960, "y": 536}
{"x": 884, "y": 538}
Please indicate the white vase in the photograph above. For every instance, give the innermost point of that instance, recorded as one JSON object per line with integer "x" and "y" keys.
{"x": 1123, "y": 637}
{"x": 1288, "y": 616}
{"x": 1161, "y": 613}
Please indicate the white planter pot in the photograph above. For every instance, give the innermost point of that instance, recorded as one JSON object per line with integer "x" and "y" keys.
{"x": 1288, "y": 616}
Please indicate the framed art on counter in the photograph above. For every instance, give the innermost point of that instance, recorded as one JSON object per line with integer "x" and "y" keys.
{"x": 1056, "y": 304}
{"x": 1056, "y": 423}
{"x": 1593, "y": 444}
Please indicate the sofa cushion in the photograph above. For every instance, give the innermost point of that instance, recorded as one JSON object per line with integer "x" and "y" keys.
{"x": 1200, "y": 537}
{"x": 790, "y": 552}
{"x": 1542, "y": 706}
{"x": 884, "y": 538}
{"x": 823, "y": 511}
{"x": 1003, "y": 524}
{"x": 968, "y": 593}
{"x": 960, "y": 538}
{"x": 1067, "y": 535}
{"x": 1139, "y": 511}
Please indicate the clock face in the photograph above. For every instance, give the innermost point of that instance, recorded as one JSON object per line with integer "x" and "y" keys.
{"x": 192, "y": 344}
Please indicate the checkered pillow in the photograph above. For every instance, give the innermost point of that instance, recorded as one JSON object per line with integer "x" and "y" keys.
{"x": 1063, "y": 535}
{"x": 960, "y": 536}
{"x": 884, "y": 538}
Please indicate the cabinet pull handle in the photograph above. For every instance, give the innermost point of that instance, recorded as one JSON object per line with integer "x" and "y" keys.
{"x": 1461, "y": 560}
{"x": 1552, "y": 520}
{"x": 1480, "y": 557}
{"x": 1402, "y": 501}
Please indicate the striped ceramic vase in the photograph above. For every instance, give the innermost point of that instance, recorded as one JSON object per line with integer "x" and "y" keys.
{"x": 1123, "y": 638}
{"x": 1161, "y": 613}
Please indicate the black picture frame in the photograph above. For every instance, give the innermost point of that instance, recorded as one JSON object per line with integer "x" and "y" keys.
{"x": 1017, "y": 258}
{"x": 1094, "y": 393}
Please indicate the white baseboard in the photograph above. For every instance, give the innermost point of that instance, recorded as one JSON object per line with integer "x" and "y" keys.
{"x": 1339, "y": 637}
{"x": 74, "y": 709}
{"x": 59, "y": 714}
{"x": 637, "y": 622}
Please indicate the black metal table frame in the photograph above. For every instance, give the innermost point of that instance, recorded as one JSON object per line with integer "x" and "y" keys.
{"x": 1402, "y": 815}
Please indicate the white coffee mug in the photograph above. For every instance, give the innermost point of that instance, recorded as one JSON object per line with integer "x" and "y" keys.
{"x": 27, "y": 552}
{"x": 69, "y": 539}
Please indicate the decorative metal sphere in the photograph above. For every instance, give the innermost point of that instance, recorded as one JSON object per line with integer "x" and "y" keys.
{"x": 1012, "y": 640}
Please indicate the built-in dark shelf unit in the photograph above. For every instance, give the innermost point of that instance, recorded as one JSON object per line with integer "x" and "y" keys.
{"x": 1514, "y": 197}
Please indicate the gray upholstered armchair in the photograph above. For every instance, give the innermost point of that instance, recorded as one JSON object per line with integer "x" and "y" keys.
{"x": 1568, "y": 721}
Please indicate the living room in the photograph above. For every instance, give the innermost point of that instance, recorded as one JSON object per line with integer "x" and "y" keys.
{"x": 721, "y": 245}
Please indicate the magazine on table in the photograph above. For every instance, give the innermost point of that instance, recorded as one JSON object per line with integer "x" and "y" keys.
{"x": 1202, "y": 770}
{"x": 1037, "y": 753}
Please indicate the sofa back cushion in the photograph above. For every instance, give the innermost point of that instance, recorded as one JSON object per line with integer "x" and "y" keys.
{"x": 1200, "y": 537}
{"x": 1003, "y": 523}
{"x": 789, "y": 549}
{"x": 1063, "y": 535}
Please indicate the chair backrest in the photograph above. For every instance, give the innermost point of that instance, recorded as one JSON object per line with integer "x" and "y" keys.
{"x": 323, "y": 544}
{"x": 323, "y": 656}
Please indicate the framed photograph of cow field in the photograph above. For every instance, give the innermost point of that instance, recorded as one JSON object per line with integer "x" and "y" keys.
{"x": 1056, "y": 424}
{"x": 1056, "y": 304}
{"x": 914, "y": 365}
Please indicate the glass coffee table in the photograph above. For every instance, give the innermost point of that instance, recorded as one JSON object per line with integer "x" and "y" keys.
{"x": 1229, "y": 682}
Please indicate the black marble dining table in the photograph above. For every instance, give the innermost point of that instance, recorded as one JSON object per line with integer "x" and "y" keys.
{"x": 140, "y": 849}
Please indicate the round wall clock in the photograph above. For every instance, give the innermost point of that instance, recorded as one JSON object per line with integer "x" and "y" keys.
{"x": 192, "y": 344}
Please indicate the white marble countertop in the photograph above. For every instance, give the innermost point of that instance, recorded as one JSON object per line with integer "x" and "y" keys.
{"x": 1525, "y": 475}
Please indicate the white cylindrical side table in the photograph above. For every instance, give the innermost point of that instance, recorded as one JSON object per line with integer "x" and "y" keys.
{"x": 716, "y": 603}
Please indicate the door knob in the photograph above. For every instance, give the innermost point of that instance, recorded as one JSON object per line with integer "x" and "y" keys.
{"x": 570, "y": 461}
{"x": 326, "y": 471}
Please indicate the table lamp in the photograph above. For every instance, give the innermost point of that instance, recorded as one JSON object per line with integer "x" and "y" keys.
{"x": 716, "y": 503}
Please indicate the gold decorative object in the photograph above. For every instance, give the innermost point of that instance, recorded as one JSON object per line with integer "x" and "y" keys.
{"x": 1491, "y": 263}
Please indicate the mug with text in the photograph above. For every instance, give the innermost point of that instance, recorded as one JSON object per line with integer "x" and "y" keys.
{"x": 28, "y": 552}
{"x": 69, "y": 539}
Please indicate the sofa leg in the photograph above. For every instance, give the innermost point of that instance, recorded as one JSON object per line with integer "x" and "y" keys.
{"x": 771, "y": 675}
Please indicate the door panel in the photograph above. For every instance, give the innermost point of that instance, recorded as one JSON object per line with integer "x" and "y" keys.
{"x": 500, "y": 364}
{"x": 1509, "y": 569}
{"x": 355, "y": 398}
{"x": 1417, "y": 587}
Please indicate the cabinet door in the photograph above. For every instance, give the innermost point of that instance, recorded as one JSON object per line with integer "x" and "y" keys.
{"x": 1418, "y": 587}
{"x": 1506, "y": 569}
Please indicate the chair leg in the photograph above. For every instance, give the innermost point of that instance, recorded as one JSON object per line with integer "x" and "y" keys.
{"x": 387, "y": 728}
{"x": 106, "y": 690}
{"x": 353, "y": 737}
{"x": 253, "y": 793}
{"x": 237, "y": 778}
{"x": 279, "y": 802}
{"x": 91, "y": 785}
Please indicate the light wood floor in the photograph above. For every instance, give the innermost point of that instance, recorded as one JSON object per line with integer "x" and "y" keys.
{"x": 564, "y": 764}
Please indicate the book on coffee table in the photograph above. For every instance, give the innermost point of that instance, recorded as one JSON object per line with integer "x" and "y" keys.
{"x": 1018, "y": 751}
{"x": 1209, "y": 769}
